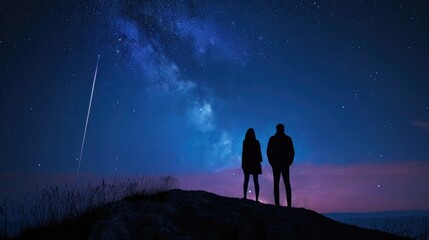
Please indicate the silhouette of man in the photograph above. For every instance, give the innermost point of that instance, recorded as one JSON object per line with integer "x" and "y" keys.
{"x": 280, "y": 153}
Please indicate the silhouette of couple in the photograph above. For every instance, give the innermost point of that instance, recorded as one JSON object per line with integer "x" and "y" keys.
{"x": 280, "y": 153}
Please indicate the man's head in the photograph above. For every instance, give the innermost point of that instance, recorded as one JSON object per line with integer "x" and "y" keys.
{"x": 280, "y": 128}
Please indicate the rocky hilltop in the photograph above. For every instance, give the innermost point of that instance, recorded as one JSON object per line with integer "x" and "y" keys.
{"x": 179, "y": 214}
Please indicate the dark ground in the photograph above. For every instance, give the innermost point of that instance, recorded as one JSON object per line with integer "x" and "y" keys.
{"x": 179, "y": 214}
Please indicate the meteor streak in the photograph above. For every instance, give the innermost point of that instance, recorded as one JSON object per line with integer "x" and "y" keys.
{"x": 87, "y": 118}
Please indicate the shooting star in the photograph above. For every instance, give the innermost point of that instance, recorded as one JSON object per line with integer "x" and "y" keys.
{"x": 87, "y": 118}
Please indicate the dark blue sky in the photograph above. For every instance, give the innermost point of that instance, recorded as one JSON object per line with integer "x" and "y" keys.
{"x": 179, "y": 83}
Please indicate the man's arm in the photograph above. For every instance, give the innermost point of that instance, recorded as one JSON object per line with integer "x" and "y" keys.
{"x": 269, "y": 150}
{"x": 292, "y": 152}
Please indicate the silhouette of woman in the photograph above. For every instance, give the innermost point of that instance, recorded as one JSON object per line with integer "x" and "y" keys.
{"x": 251, "y": 159}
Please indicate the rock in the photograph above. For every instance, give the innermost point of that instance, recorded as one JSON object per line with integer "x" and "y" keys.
{"x": 179, "y": 214}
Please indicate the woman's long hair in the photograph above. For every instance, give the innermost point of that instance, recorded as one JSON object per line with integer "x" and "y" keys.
{"x": 250, "y": 135}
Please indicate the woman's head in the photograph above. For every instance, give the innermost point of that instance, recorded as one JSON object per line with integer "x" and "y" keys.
{"x": 250, "y": 134}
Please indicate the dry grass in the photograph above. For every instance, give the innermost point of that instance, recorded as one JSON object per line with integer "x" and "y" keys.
{"x": 52, "y": 206}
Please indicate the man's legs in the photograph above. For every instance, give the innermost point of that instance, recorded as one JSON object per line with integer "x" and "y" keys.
{"x": 276, "y": 179}
{"x": 286, "y": 180}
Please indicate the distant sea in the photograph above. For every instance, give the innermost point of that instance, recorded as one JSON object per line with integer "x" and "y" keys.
{"x": 414, "y": 224}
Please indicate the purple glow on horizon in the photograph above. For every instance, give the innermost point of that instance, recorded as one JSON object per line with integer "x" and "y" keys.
{"x": 323, "y": 188}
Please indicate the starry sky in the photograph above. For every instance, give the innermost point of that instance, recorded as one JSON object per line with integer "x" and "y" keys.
{"x": 180, "y": 82}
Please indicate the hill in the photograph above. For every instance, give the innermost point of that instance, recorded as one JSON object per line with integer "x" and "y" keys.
{"x": 179, "y": 214}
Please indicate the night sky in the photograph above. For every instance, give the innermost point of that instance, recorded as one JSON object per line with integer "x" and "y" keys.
{"x": 180, "y": 82}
